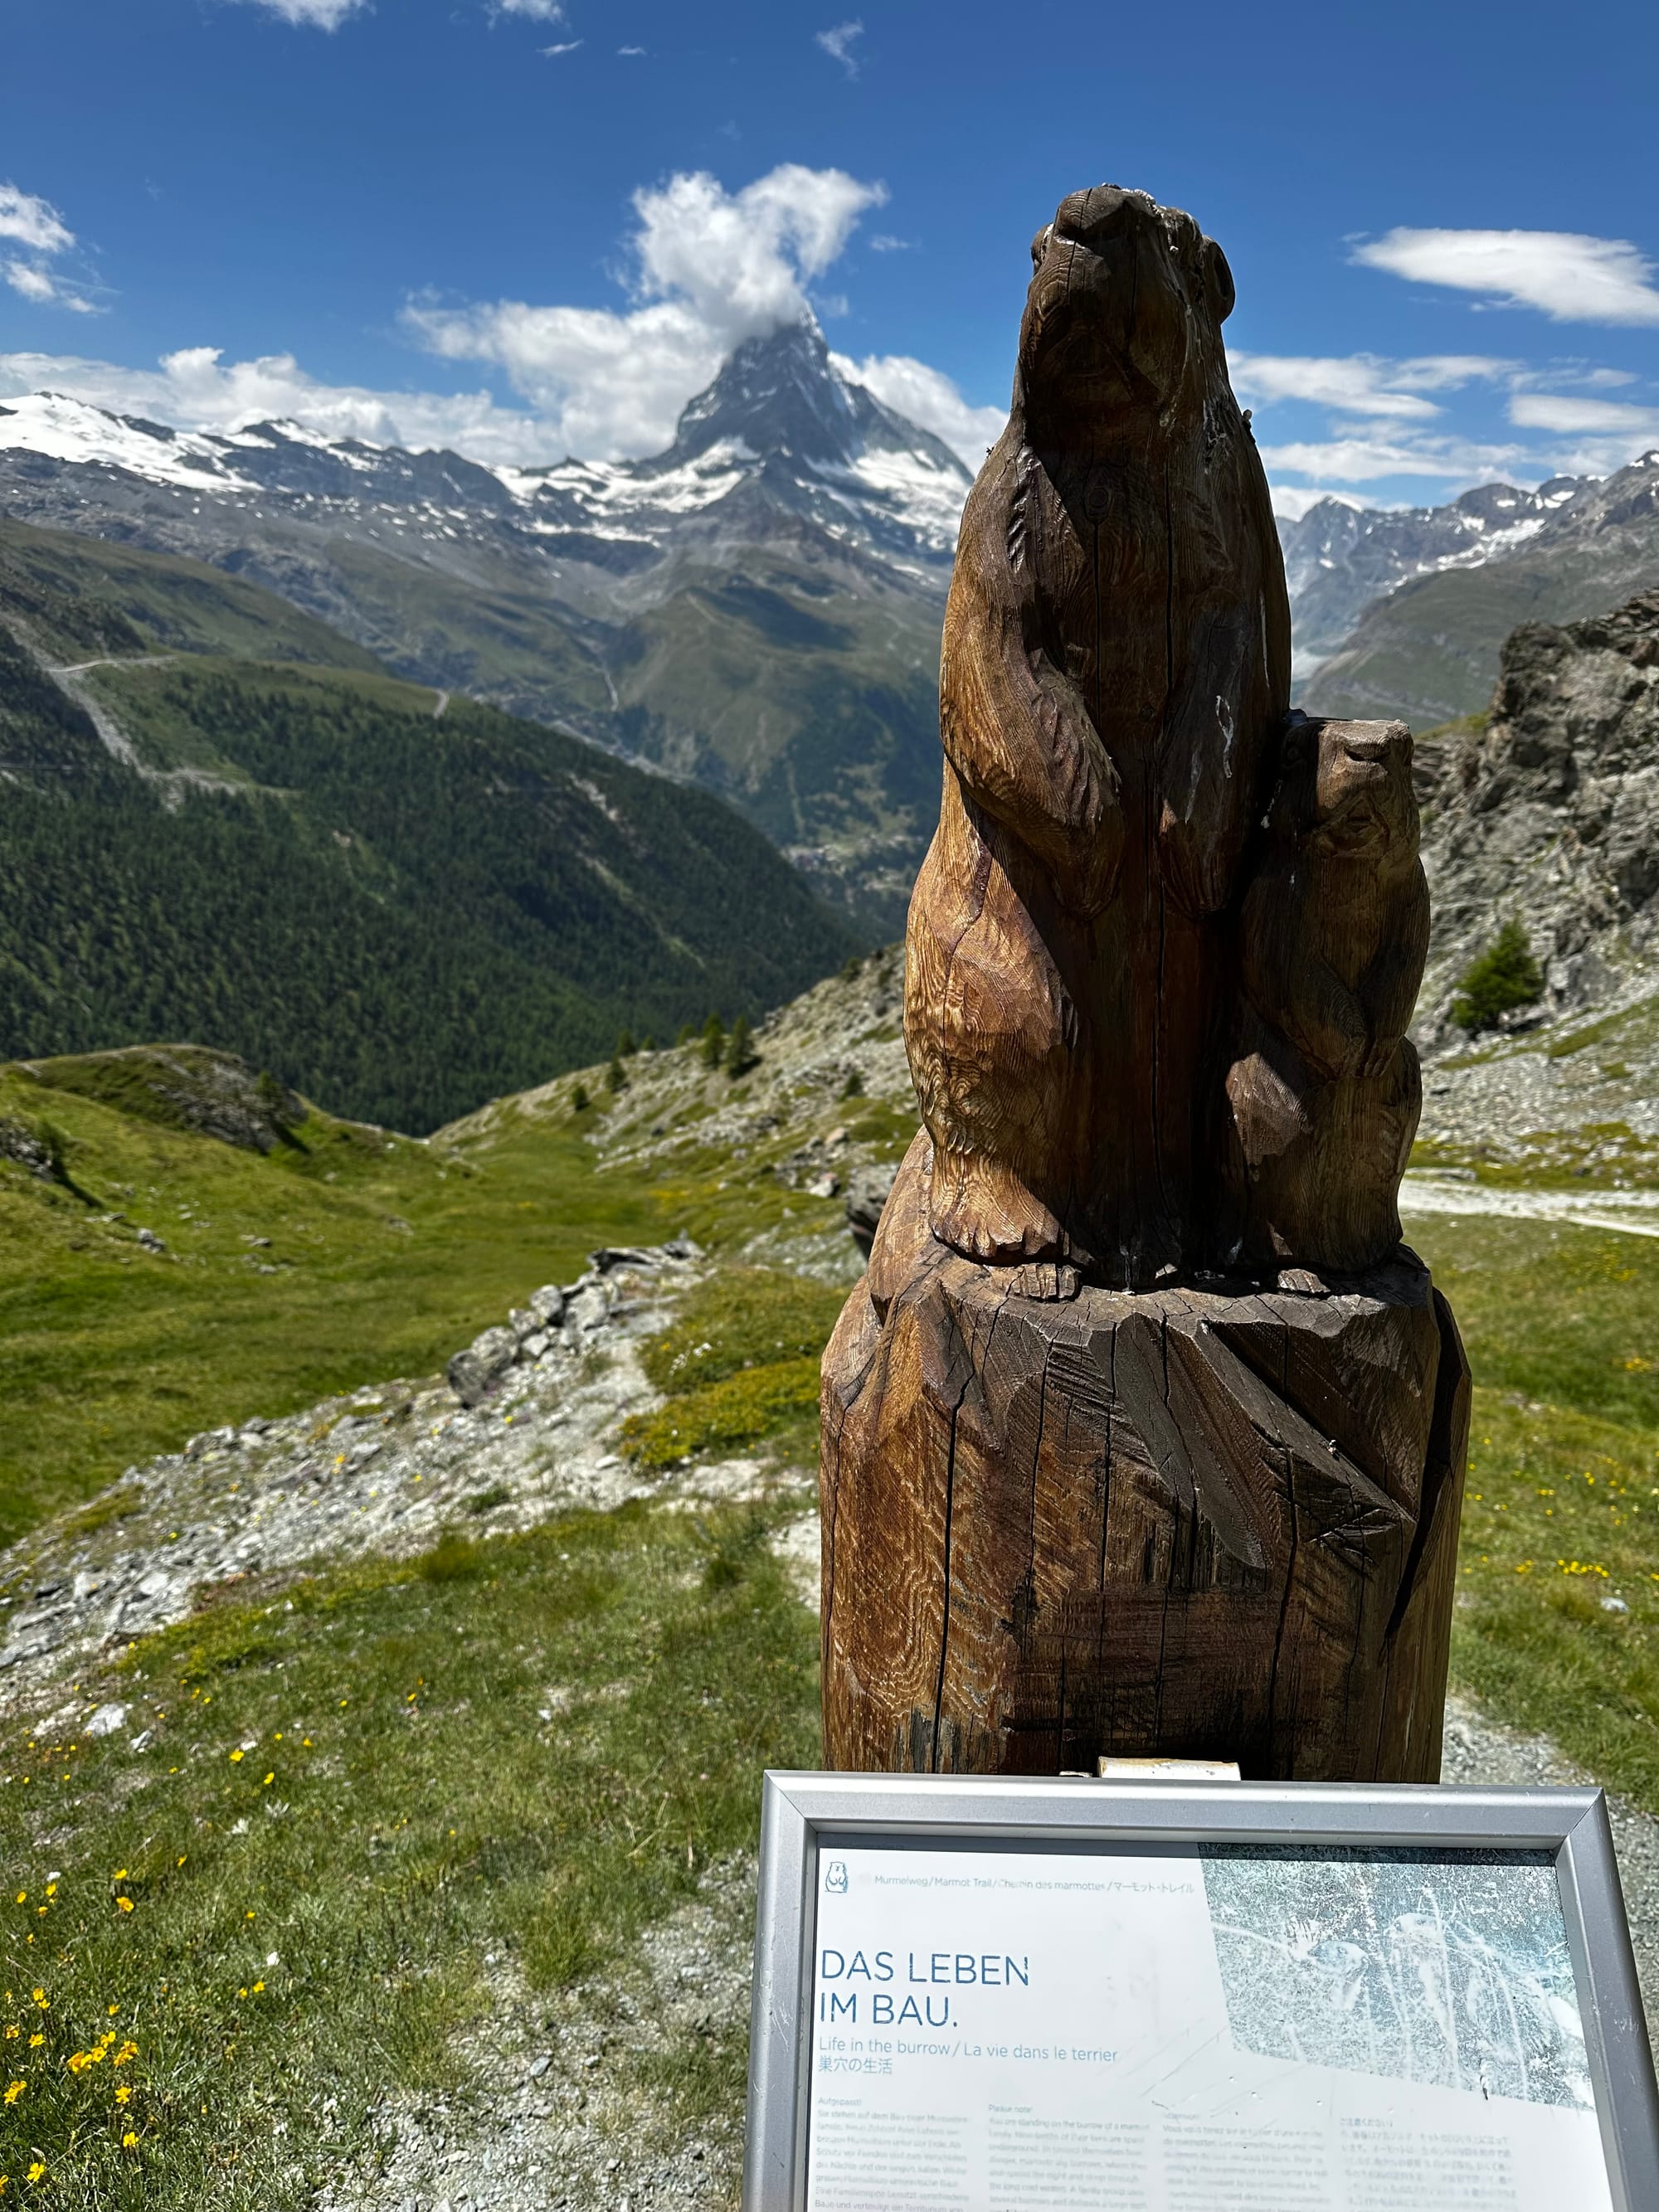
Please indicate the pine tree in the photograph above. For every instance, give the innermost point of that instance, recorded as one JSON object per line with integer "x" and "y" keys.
{"x": 739, "y": 1053}
{"x": 1505, "y": 976}
{"x": 714, "y": 1041}
{"x": 616, "y": 1077}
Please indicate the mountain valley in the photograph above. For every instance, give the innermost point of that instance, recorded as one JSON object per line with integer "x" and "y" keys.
{"x": 224, "y": 823}
{"x": 757, "y": 610}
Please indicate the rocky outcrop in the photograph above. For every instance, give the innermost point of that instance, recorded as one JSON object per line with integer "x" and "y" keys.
{"x": 181, "y": 1086}
{"x": 1550, "y": 815}
{"x": 383, "y": 1470}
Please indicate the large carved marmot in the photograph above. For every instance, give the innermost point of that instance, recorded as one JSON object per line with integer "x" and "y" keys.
{"x": 1324, "y": 1090}
{"x": 1116, "y": 662}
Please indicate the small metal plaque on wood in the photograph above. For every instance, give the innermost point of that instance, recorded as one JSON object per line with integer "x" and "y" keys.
{"x": 1191, "y": 1995}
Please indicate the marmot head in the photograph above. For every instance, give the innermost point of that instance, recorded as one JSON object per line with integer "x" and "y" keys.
{"x": 1128, "y": 299}
{"x": 1345, "y": 789}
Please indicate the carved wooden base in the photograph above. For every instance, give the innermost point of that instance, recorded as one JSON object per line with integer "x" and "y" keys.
{"x": 1181, "y": 1521}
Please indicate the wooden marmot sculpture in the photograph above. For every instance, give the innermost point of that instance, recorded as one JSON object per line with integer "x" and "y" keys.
{"x": 1115, "y": 667}
{"x": 1324, "y": 1089}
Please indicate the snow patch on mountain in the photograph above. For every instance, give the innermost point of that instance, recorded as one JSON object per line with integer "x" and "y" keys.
{"x": 73, "y": 430}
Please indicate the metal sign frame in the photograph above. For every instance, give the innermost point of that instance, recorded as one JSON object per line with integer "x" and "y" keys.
{"x": 802, "y": 1812}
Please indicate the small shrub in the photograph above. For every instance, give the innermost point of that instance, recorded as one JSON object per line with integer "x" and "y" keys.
{"x": 754, "y": 1403}
{"x": 739, "y": 1052}
{"x": 714, "y": 1041}
{"x": 687, "y": 1032}
{"x": 853, "y": 1086}
{"x": 626, "y": 1047}
{"x": 485, "y": 1501}
{"x": 579, "y": 1100}
{"x": 850, "y": 966}
{"x": 616, "y": 1077}
{"x": 733, "y": 1546}
{"x": 452, "y": 1559}
{"x": 1503, "y": 977}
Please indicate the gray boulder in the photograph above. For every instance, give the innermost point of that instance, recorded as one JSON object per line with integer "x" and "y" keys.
{"x": 474, "y": 1373}
{"x": 868, "y": 1192}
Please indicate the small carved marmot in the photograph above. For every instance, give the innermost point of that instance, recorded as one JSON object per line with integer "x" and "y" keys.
{"x": 1116, "y": 663}
{"x": 1324, "y": 1089}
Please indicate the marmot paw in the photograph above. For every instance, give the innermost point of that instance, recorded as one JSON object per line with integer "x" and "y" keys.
{"x": 982, "y": 1210}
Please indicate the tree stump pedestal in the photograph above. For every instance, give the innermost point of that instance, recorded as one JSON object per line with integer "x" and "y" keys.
{"x": 1209, "y": 1521}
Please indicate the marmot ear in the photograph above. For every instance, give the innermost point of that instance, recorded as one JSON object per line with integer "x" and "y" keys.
{"x": 1220, "y": 279}
{"x": 1039, "y": 245}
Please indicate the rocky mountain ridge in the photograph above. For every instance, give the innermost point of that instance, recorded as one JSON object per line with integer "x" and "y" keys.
{"x": 1339, "y": 557}
{"x": 757, "y": 610}
{"x": 1427, "y": 648}
{"x": 1549, "y": 815}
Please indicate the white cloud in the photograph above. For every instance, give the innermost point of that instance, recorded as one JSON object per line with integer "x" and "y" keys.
{"x": 1360, "y": 384}
{"x": 1605, "y": 434}
{"x": 838, "y": 44}
{"x": 630, "y": 49}
{"x": 884, "y": 242}
{"x": 1566, "y": 275}
{"x": 1362, "y": 459}
{"x": 39, "y": 285}
{"x": 565, "y": 47}
{"x": 1293, "y": 501}
{"x": 197, "y": 388}
{"x": 543, "y": 11}
{"x": 926, "y": 396}
{"x": 321, "y": 14}
{"x": 34, "y": 223}
{"x": 1549, "y": 410}
{"x": 712, "y": 268}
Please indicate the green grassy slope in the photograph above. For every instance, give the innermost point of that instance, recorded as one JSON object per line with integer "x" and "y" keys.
{"x": 1429, "y": 652}
{"x": 80, "y": 597}
{"x": 496, "y": 637}
{"x": 260, "y": 1989}
{"x": 385, "y": 1254}
{"x": 404, "y": 915}
{"x": 818, "y": 713}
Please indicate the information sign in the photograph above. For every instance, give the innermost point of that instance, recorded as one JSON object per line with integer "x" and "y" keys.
{"x": 1055, "y": 1997}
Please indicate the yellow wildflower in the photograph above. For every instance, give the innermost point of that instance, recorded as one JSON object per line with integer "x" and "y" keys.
{"x": 124, "y": 2094}
{"x": 236, "y": 1758}
{"x": 14, "y": 2090}
{"x": 124, "y": 1903}
{"x": 35, "y": 2041}
{"x": 129, "y": 2141}
{"x": 37, "y": 2170}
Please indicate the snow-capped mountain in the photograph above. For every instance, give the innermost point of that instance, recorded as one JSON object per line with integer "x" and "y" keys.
{"x": 1426, "y": 645}
{"x": 781, "y": 445}
{"x": 1338, "y": 558}
{"x": 757, "y": 608}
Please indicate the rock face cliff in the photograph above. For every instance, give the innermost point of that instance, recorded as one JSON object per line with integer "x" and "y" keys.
{"x": 1551, "y": 812}
{"x": 1549, "y": 816}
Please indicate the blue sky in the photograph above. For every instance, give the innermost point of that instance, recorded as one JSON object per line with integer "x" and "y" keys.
{"x": 536, "y": 225}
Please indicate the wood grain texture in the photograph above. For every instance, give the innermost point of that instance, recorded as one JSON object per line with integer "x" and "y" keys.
{"x": 1145, "y": 1435}
{"x": 1323, "y": 1091}
{"x": 1184, "y": 1522}
{"x": 1115, "y": 670}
